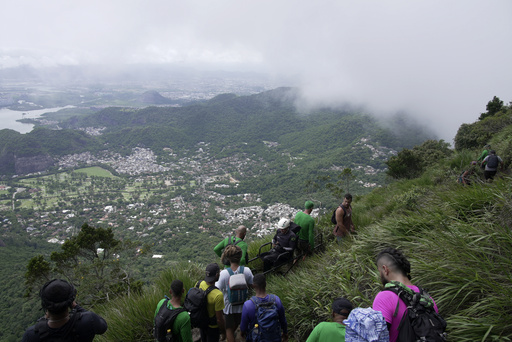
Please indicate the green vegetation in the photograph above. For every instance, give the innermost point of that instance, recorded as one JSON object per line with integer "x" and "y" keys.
{"x": 96, "y": 171}
{"x": 458, "y": 240}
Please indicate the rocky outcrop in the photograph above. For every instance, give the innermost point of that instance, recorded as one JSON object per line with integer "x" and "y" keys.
{"x": 25, "y": 165}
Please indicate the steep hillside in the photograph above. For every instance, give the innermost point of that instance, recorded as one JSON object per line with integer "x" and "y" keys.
{"x": 457, "y": 238}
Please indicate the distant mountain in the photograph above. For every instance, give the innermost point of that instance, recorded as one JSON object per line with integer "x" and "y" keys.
{"x": 322, "y": 137}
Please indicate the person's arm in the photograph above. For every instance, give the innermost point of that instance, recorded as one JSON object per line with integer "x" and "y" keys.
{"x": 218, "y": 249}
{"x": 312, "y": 234}
{"x": 186, "y": 330}
{"x": 243, "y": 247}
{"x": 282, "y": 316}
{"x": 313, "y": 337}
{"x": 247, "y": 309}
{"x": 220, "y": 322}
{"x": 339, "y": 221}
{"x": 274, "y": 240}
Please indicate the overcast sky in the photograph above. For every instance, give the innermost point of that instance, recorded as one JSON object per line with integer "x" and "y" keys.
{"x": 440, "y": 60}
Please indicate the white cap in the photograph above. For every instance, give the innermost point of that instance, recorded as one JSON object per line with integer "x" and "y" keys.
{"x": 283, "y": 223}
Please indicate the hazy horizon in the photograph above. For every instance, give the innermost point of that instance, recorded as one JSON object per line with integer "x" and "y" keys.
{"x": 438, "y": 61}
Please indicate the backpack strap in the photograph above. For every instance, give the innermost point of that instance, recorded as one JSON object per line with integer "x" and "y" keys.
{"x": 344, "y": 210}
{"x": 43, "y": 330}
{"x": 230, "y": 271}
{"x": 241, "y": 270}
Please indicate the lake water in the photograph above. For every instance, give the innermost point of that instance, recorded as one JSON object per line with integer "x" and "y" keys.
{"x": 8, "y": 118}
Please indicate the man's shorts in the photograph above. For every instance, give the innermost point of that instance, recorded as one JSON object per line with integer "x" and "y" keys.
{"x": 232, "y": 320}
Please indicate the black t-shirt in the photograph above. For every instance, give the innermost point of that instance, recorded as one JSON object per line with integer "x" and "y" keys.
{"x": 82, "y": 327}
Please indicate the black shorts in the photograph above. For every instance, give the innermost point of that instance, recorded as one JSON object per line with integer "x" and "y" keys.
{"x": 232, "y": 320}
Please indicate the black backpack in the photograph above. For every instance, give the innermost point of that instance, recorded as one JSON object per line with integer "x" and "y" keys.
{"x": 295, "y": 228}
{"x": 492, "y": 161}
{"x": 196, "y": 303}
{"x": 45, "y": 334}
{"x": 163, "y": 322}
{"x": 420, "y": 322}
{"x": 333, "y": 217}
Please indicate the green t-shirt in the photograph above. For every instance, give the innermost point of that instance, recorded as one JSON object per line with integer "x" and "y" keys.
{"x": 327, "y": 332}
{"x": 181, "y": 328}
{"x": 220, "y": 247}
{"x": 307, "y": 224}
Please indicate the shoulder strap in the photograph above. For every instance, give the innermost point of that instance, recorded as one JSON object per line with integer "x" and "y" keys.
{"x": 210, "y": 289}
{"x": 42, "y": 329}
{"x": 241, "y": 270}
{"x": 254, "y": 299}
{"x": 230, "y": 271}
{"x": 198, "y": 283}
{"x": 344, "y": 210}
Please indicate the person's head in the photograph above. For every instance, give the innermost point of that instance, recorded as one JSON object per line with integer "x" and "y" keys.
{"x": 341, "y": 307}
{"x": 233, "y": 254}
{"x": 212, "y": 273}
{"x": 492, "y": 152}
{"x": 283, "y": 225}
{"x": 347, "y": 199}
{"x": 487, "y": 146}
{"x": 473, "y": 162}
{"x": 57, "y": 296}
{"x": 259, "y": 282}
{"x": 309, "y": 205}
{"x": 392, "y": 265}
{"x": 240, "y": 232}
{"x": 176, "y": 288}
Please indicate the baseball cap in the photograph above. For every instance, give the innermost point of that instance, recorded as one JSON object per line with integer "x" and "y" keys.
{"x": 341, "y": 304}
{"x": 309, "y": 205}
{"x": 211, "y": 272}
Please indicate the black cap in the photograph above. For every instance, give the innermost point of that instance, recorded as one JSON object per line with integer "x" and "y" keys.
{"x": 211, "y": 273}
{"x": 57, "y": 294}
{"x": 342, "y": 306}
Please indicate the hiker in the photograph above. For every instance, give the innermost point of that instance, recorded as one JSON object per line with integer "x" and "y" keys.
{"x": 180, "y": 328}
{"x": 234, "y": 287}
{"x": 343, "y": 217}
{"x": 491, "y": 162}
{"x": 335, "y": 330}
{"x": 306, "y": 241}
{"x": 465, "y": 176}
{"x": 484, "y": 154}
{"x": 283, "y": 245}
{"x": 237, "y": 239}
{"x": 263, "y": 317}
{"x": 394, "y": 270}
{"x": 64, "y": 319}
{"x": 216, "y": 325}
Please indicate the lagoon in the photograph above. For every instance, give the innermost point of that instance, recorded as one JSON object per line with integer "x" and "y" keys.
{"x": 8, "y": 118}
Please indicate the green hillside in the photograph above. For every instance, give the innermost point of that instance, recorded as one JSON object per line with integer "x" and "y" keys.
{"x": 457, "y": 238}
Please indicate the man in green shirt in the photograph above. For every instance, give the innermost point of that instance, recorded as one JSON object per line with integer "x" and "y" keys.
{"x": 307, "y": 232}
{"x": 484, "y": 154}
{"x": 237, "y": 240}
{"x": 181, "y": 329}
{"x": 335, "y": 330}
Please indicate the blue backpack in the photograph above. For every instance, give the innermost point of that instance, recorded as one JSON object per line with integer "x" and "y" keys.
{"x": 267, "y": 318}
{"x": 237, "y": 287}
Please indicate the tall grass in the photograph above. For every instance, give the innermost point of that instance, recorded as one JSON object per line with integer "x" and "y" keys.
{"x": 458, "y": 240}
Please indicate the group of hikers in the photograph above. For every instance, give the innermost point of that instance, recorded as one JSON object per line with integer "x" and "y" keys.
{"x": 488, "y": 161}
{"x": 219, "y": 303}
